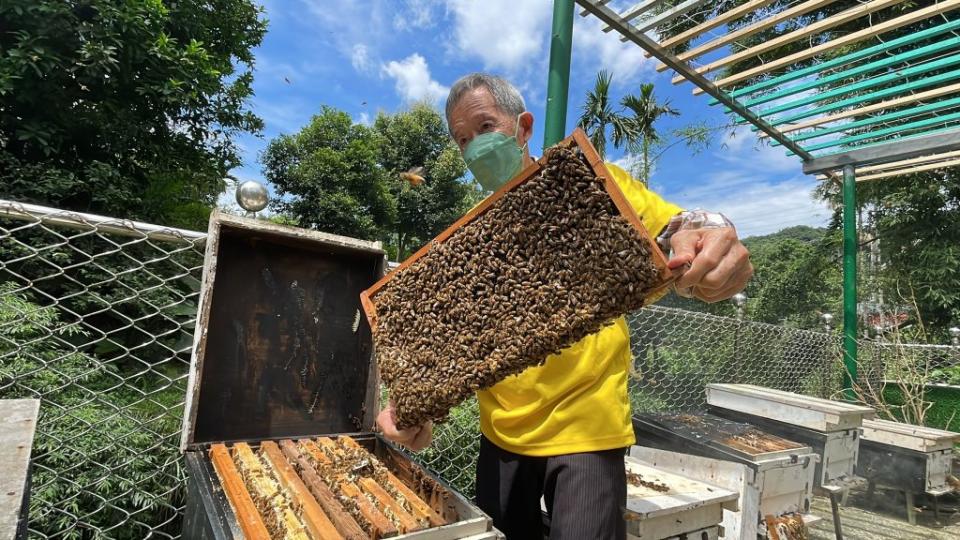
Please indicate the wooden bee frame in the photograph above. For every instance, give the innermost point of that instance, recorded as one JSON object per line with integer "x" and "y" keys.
{"x": 578, "y": 140}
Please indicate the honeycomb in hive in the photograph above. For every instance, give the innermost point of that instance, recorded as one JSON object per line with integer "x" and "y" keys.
{"x": 550, "y": 261}
{"x": 320, "y": 488}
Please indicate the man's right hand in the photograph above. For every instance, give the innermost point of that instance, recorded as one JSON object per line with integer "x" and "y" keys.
{"x": 415, "y": 438}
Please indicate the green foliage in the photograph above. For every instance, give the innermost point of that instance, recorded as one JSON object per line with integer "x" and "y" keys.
{"x": 125, "y": 108}
{"x": 631, "y": 126}
{"x": 327, "y": 177}
{"x": 344, "y": 178}
{"x": 944, "y": 411}
{"x": 100, "y": 452}
{"x": 419, "y": 138}
{"x": 947, "y": 375}
{"x": 917, "y": 222}
{"x": 796, "y": 277}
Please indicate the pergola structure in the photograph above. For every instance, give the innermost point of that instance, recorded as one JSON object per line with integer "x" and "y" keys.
{"x": 872, "y": 103}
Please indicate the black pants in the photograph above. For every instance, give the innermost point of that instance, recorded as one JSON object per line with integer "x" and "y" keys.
{"x": 585, "y": 494}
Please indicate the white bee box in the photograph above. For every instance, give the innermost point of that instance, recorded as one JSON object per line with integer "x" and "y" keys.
{"x": 920, "y": 438}
{"x": 686, "y": 508}
{"x": 777, "y": 486}
{"x": 805, "y": 411}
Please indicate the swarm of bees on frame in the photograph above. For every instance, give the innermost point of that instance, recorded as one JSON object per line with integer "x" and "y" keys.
{"x": 549, "y": 263}
{"x": 323, "y": 488}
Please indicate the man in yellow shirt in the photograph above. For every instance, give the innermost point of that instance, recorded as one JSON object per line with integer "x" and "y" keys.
{"x": 559, "y": 430}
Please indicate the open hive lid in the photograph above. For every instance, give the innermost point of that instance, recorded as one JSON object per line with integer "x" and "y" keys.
{"x": 280, "y": 346}
{"x": 653, "y": 492}
{"x": 787, "y": 407}
{"x": 920, "y": 438}
{"x": 740, "y": 440}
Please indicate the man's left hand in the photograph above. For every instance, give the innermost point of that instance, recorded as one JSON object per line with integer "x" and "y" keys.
{"x": 719, "y": 265}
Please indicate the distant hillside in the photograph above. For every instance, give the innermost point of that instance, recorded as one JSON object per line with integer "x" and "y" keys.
{"x": 794, "y": 280}
{"x": 802, "y": 233}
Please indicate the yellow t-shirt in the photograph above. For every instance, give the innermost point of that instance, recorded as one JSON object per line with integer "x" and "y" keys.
{"x": 577, "y": 400}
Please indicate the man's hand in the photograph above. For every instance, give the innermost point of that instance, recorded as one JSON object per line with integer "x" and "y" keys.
{"x": 719, "y": 265}
{"x": 415, "y": 438}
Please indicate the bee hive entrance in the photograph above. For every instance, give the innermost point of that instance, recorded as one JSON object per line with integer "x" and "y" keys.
{"x": 549, "y": 262}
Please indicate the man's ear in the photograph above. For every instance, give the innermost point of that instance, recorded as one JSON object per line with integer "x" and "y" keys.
{"x": 525, "y": 133}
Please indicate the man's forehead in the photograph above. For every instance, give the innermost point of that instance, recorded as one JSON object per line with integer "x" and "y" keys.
{"x": 474, "y": 104}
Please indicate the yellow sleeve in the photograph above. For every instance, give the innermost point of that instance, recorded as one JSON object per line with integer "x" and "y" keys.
{"x": 652, "y": 209}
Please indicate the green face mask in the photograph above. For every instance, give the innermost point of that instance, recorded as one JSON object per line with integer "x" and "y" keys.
{"x": 494, "y": 158}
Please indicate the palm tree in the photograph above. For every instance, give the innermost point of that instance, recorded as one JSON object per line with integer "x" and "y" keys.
{"x": 635, "y": 129}
{"x": 645, "y": 113}
{"x": 598, "y": 116}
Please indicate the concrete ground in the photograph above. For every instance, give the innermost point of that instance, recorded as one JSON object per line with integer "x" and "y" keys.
{"x": 883, "y": 517}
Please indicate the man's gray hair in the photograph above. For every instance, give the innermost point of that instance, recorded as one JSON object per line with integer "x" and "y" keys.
{"x": 507, "y": 98}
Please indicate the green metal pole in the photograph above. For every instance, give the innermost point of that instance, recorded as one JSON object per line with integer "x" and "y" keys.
{"x": 849, "y": 280}
{"x": 558, "y": 80}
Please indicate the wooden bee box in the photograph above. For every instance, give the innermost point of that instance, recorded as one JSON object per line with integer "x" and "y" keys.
{"x": 282, "y": 356}
{"x": 548, "y": 259}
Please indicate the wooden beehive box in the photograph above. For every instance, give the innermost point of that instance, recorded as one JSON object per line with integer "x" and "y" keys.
{"x": 282, "y": 370}
{"x": 505, "y": 269}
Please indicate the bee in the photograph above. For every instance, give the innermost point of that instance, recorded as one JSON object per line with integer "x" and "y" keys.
{"x": 413, "y": 175}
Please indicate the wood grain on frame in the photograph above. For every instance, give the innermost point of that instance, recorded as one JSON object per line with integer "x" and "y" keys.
{"x": 315, "y": 519}
{"x": 382, "y": 527}
{"x": 233, "y": 487}
{"x": 420, "y": 508}
{"x": 343, "y": 521}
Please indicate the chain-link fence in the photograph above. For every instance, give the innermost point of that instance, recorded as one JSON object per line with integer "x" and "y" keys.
{"x": 96, "y": 319}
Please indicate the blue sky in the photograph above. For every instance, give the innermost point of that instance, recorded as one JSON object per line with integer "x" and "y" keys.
{"x": 365, "y": 56}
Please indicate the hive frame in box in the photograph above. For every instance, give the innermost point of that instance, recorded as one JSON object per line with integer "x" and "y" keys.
{"x": 241, "y": 390}
{"x": 579, "y": 139}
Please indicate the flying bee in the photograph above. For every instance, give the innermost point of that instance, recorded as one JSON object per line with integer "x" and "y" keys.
{"x": 414, "y": 175}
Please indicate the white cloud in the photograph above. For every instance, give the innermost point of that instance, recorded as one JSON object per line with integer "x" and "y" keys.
{"x": 357, "y": 29}
{"x": 593, "y": 49}
{"x": 743, "y": 146}
{"x": 415, "y": 15}
{"x": 360, "y": 58}
{"x": 759, "y": 206}
{"x": 760, "y": 188}
{"x": 364, "y": 119}
{"x": 413, "y": 81}
{"x": 504, "y": 34}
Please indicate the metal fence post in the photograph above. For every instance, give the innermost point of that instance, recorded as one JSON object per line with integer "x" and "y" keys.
{"x": 849, "y": 280}
{"x": 558, "y": 79}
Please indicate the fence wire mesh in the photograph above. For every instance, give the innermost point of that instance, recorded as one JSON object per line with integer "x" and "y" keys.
{"x": 97, "y": 318}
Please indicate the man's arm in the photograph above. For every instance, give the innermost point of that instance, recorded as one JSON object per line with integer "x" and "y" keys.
{"x": 717, "y": 263}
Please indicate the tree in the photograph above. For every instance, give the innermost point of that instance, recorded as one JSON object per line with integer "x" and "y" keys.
{"x": 327, "y": 177}
{"x": 633, "y": 125}
{"x": 915, "y": 220}
{"x": 796, "y": 277}
{"x": 346, "y": 178}
{"x": 125, "y": 108}
{"x": 419, "y": 138}
{"x": 646, "y": 110}
{"x": 598, "y": 116}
